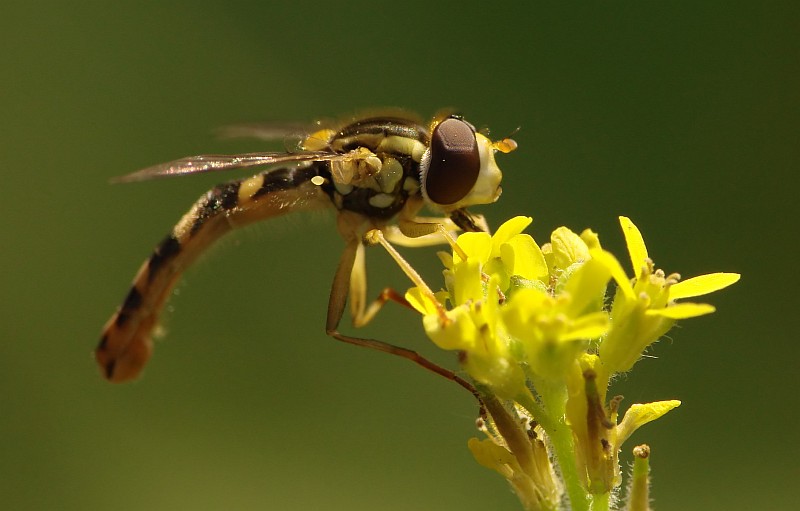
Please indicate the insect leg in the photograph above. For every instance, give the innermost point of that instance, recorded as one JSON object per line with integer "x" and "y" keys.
{"x": 351, "y": 268}
{"x": 363, "y": 314}
{"x": 412, "y": 226}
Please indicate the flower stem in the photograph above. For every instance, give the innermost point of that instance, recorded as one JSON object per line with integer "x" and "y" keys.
{"x": 554, "y": 399}
{"x": 600, "y": 501}
{"x": 639, "y": 494}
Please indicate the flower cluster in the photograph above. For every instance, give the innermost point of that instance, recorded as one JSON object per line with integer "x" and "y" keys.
{"x": 540, "y": 334}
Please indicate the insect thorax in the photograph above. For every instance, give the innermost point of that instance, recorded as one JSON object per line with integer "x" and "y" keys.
{"x": 384, "y": 169}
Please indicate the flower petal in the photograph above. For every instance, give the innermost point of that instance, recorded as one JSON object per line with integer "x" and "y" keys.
{"x": 420, "y": 301}
{"x": 635, "y": 242}
{"x": 568, "y": 248}
{"x": 457, "y": 334}
{"x": 493, "y": 456}
{"x": 476, "y": 245}
{"x": 617, "y": 273}
{"x": 682, "y": 310}
{"x": 508, "y": 230}
{"x": 446, "y": 258}
{"x": 640, "y": 414}
{"x": 587, "y": 286}
{"x": 591, "y": 238}
{"x": 590, "y": 326}
{"x": 520, "y": 311}
{"x": 702, "y": 285}
{"x": 468, "y": 285}
{"x": 523, "y": 257}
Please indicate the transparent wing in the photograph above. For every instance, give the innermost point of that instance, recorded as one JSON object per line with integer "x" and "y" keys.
{"x": 266, "y": 130}
{"x": 215, "y": 162}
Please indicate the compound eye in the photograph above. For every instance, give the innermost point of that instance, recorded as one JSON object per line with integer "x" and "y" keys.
{"x": 454, "y": 162}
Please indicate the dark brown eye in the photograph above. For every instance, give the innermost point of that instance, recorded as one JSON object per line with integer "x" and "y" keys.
{"x": 453, "y": 162}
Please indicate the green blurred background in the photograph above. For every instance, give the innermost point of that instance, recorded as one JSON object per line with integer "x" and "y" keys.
{"x": 681, "y": 115}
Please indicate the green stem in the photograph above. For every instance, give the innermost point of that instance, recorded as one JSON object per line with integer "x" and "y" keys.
{"x": 639, "y": 494}
{"x": 600, "y": 502}
{"x": 554, "y": 398}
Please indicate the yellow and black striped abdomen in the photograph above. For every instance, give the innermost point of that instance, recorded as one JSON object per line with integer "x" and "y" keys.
{"x": 126, "y": 342}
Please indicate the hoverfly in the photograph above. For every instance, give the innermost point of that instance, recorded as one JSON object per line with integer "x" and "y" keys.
{"x": 375, "y": 172}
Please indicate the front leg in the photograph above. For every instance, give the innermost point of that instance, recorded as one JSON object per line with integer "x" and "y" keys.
{"x": 350, "y": 279}
{"x": 425, "y": 231}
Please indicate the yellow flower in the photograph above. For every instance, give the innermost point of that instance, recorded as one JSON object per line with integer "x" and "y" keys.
{"x": 551, "y": 331}
{"x": 533, "y": 328}
{"x": 508, "y": 252}
{"x": 645, "y": 309}
{"x": 505, "y": 316}
{"x": 477, "y": 276}
{"x": 554, "y": 324}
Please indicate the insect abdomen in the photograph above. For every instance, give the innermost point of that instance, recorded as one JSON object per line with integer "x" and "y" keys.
{"x": 126, "y": 342}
